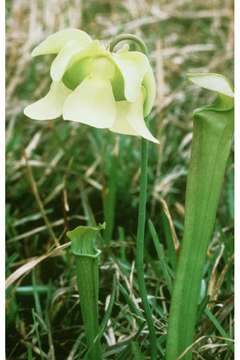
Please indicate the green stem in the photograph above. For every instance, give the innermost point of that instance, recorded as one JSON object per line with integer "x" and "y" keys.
{"x": 128, "y": 37}
{"x": 212, "y": 139}
{"x": 141, "y": 212}
{"x": 140, "y": 247}
{"x": 109, "y": 201}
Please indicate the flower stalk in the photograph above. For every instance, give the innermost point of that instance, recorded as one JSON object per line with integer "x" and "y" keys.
{"x": 142, "y": 213}
{"x": 83, "y": 248}
{"x": 140, "y": 248}
{"x": 212, "y": 139}
{"x": 109, "y": 194}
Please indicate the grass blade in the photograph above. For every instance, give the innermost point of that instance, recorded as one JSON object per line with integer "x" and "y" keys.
{"x": 161, "y": 256}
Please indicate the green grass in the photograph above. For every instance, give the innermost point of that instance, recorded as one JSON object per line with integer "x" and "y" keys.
{"x": 71, "y": 167}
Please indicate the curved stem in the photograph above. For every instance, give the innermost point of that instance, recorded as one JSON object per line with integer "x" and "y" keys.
{"x": 128, "y": 37}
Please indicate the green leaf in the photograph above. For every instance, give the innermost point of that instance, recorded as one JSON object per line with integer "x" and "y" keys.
{"x": 212, "y": 140}
{"x": 211, "y": 81}
{"x": 83, "y": 240}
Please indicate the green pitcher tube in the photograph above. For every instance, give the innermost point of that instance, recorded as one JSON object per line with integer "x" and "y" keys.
{"x": 83, "y": 240}
{"x": 211, "y": 145}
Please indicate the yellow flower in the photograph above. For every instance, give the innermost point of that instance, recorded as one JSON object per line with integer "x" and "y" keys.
{"x": 93, "y": 86}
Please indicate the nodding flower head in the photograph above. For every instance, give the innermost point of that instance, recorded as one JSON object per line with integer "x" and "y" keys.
{"x": 93, "y": 86}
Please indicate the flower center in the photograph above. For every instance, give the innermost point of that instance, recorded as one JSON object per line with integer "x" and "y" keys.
{"x": 99, "y": 67}
{"x": 103, "y": 68}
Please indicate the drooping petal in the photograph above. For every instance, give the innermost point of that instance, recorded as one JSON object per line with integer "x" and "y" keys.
{"x": 121, "y": 124}
{"x": 149, "y": 85}
{"x": 51, "y": 105}
{"x": 130, "y": 119}
{"x": 133, "y": 66}
{"x": 62, "y": 60}
{"x": 91, "y": 103}
{"x": 211, "y": 81}
{"x": 55, "y": 42}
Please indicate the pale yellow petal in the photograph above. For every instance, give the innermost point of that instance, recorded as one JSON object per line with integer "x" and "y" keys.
{"x": 133, "y": 66}
{"x": 149, "y": 85}
{"x": 130, "y": 119}
{"x": 211, "y": 81}
{"x": 55, "y": 42}
{"x": 91, "y": 103}
{"x": 121, "y": 124}
{"x": 51, "y": 105}
{"x": 63, "y": 59}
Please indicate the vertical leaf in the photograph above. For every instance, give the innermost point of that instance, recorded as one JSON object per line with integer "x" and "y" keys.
{"x": 212, "y": 139}
{"x": 83, "y": 240}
